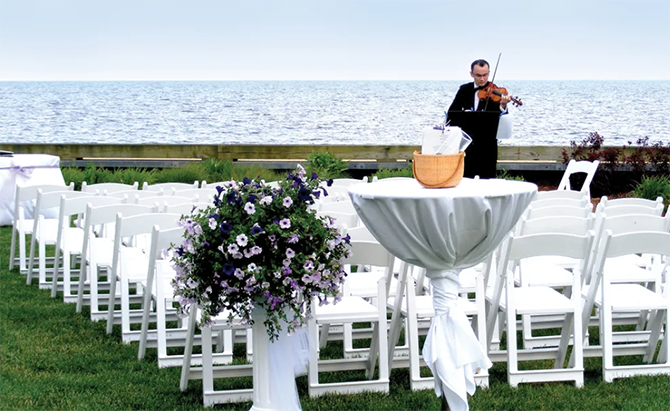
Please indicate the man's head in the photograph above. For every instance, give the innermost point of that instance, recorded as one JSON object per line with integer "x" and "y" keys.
{"x": 479, "y": 70}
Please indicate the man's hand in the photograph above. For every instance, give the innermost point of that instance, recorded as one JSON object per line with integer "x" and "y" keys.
{"x": 504, "y": 100}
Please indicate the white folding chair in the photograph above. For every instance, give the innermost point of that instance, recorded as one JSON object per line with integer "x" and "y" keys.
{"x": 558, "y": 211}
{"x": 338, "y": 207}
{"x": 542, "y": 300}
{"x": 163, "y": 201}
{"x": 22, "y": 226}
{"x": 45, "y": 234}
{"x": 131, "y": 269}
{"x": 640, "y": 202}
{"x": 574, "y": 167}
{"x": 97, "y": 253}
{"x": 613, "y": 298}
{"x": 133, "y": 195}
{"x": 158, "y": 288}
{"x": 354, "y": 310}
{"x": 169, "y": 187}
{"x": 346, "y": 182}
{"x": 561, "y": 202}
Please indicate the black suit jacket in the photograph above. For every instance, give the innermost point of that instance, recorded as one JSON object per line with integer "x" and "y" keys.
{"x": 465, "y": 97}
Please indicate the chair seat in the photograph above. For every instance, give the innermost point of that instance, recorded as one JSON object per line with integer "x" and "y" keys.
{"x": 349, "y": 309}
{"x": 632, "y": 297}
{"x": 364, "y": 284}
{"x": 540, "y": 300}
{"x": 624, "y": 271}
{"x": 540, "y": 272}
{"x": 424, "y": 306}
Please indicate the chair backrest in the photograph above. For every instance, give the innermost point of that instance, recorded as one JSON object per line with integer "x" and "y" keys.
{"x": 612, "y": 211}
{"x": 168, "y": 187}
{"x": 341, "y": 193}
{"x": 130, "y": 226}
{"x": 204, "y": 194}
{"x": 573, "y": 167}
{"x": 339, "y": 206}
{"x": 516, "y": 248}
{"x": 347, "y": 182}
{"x": 108, "y": 187}
{"x": 640, "y": 202}
{"x": 558, "y": 211}
{"x": 370, "y": 253}
{"x": 205, "y": 184}
{"x": 52, "y": 199}
{"x": 562, "y": 194}
{"x": 132, "y": 195}
{"x": 29, "y": 193}
{"x": 562, "y": 202}
{"x": 342, "y": 220}
{"x": 185, "y": 208}
{"x": 563, "y": 225}
{"x": 162, "y": 201}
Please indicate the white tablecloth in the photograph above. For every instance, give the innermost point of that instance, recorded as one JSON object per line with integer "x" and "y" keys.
{"x": 445, "y": 231}
{"x": 25, "y": 170}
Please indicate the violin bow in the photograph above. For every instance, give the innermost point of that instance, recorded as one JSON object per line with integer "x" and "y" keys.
{"x": 492, "y": 81}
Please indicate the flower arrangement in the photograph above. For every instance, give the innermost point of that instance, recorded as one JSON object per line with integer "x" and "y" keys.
{"x": 259, "y": 246}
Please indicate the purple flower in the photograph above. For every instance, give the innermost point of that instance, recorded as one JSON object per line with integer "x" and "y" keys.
{"x": 293, "y": 239}
{"x": 285, "y": 223}
{"x": 246, "y": 181}
{"x": 228, "y": 269}
{"x": 255, "y": 250}
{"x": 256, "y": 229}
{"x": 314, "y": 176}
{"x": 226, "y": 227}
{"x": 286, "y": 270}
{"x": 304, "y": 194}
{"x": 239, "y": 273}
{"x": 329, "y": 182}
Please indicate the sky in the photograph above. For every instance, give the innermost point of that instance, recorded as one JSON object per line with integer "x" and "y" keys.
{"x": 54, "y": 40}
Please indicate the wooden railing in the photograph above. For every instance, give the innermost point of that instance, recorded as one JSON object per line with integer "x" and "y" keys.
{"x": 274, "y": 156}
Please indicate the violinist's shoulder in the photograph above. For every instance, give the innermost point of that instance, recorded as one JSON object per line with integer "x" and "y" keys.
{"x": 469, "y": 85}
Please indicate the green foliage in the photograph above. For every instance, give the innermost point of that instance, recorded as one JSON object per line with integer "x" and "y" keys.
{"x": 653, "y": 187}
{"x": 95, "y": 175}
{"x": 394, "y": 172}
{"x": 326, "y": 165}
{"x": 184, "y": 174}
{"x": 73, "y": 175}
{"x": 254, "y": 172}
{"x": 130, "y": 175}
{"x": 505, "y": 175}
{"x": 217, "y": 170}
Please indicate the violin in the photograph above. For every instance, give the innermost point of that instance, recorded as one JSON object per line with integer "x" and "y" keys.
{"x": 494, "y": 93}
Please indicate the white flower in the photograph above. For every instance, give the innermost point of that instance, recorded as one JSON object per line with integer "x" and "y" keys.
{"x": 285, "y": 223}
{"x": 249, "y": 208}
{"x": 251, "y": 267}
{"x": 239, "y": 273}
{"x": 221, "y": 248}
{"x": 232, "y": 248}
{"x": 242, "y": 239}
{"x": 290, "y": 253}
{"x": 212, "y": 223}
{"x": 287, "y": 202}
{"x": 267, "y": 200}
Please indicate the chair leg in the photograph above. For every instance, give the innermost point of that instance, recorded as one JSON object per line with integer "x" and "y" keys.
{"x": 188, "y": 349}
{"x": 31, "y": 260}
{"x": 12, "y": 245}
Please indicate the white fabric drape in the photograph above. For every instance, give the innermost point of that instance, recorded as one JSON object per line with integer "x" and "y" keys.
{"x": 25, "y": 170}
{"x": 445, "y": 231}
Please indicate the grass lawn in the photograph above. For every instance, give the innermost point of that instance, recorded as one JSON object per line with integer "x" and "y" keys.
{"x": 52, "y": 358}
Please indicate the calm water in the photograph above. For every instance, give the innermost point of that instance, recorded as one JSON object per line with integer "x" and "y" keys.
{"x": 316, "y": 112}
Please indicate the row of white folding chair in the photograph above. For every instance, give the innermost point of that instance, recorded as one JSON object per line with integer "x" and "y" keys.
{"x": 97, "y": 257}
{"x": 22, "y": 226}
{"x": 45, "y": 232}
{"x": 130, "y": 268}
{"x": 611, "y": 298}
{"x": 159, "y": 290}
{"x": 70, "y": 239}
{"x": 561, "y": 202}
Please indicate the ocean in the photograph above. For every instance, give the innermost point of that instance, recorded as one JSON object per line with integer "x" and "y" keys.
{"x": 317, "y": 112}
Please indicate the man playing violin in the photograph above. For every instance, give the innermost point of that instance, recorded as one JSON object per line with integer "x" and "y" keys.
{"x": 467, "y": 97}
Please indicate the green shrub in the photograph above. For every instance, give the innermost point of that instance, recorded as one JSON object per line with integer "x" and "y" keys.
{"x": 95, "y": 175}
{"x": 326, "y": 165}
{"x": 217, "y": 170}
{"x": 184, "y": 174}
{"x": 253, "y": 171}
{"x": 653, "y": 187}
{"x": 394, "y": 172}
{"x": 130, "y": 175}
{"x": 74, "y": 175}
{"x": 504, "y": 175}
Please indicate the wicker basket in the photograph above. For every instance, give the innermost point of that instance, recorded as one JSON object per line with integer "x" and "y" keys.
{"x": 438, "y": 170}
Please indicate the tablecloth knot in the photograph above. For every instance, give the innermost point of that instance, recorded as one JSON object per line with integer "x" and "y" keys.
{"x": 452, "y": 351}
{"x": 23, "y": 172}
